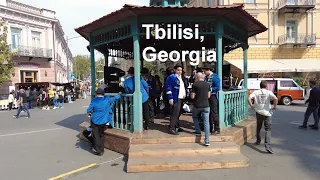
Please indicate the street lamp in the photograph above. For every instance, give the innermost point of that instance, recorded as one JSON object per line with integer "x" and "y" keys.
{"x": 68, "y": 66}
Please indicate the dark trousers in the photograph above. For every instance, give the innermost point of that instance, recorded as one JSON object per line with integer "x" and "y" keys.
{"x": 86, "y": 134}
{"x": 176, "y": 112}
{"x": 98, "y": 137}
{"x": 146, "y": 114}
{"x": 214, "y": 116}
{"x": 157, "y": 105}
{"x": 266, "y": 120}
{"x": 10, "y": 106}
{"x": 311, "y": 110}
{"x": 151, "y": 110}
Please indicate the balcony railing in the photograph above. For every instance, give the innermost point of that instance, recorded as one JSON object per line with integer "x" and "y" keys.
{"x": 296, "y": 3}
{"x": 297, "y": 39}
{"x": 23, "y": 7}
{"x": 31, "y": 51}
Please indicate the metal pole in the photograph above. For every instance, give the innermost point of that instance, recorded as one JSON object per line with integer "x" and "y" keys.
{"x": 68, "y": 68}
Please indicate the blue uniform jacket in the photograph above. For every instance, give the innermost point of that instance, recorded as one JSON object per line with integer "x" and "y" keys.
{"x": 101, "y": 110}
{"x": 173, "y": 87}
{"x": 144, "y": 88}
{"x": 152, "y": 83}
{"x": 214, "y": 82}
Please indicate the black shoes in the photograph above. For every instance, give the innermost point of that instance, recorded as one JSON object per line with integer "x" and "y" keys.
{"x": 173, "y": 132}
{"x": 196, "y": 133}
{"x": 269, "y": 150}
{"x": 311, "y": 126}
{"x": 256, "y": 143}
{"x": 303, "y": 127}
{"x": 215, "y": 132}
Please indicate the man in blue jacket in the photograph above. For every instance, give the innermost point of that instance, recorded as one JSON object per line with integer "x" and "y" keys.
{"x": 176, "y": 89}
{"x": 152, "y": 92}
{"x": 144, "y": 88}
{"x": 214, "y": 81}
{"x": 99, "y": 110}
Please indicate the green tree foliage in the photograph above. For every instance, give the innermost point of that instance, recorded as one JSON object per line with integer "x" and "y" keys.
{"x": 99, "y": 68}
{"x": 6, "y": 63}
{"x": 152, "y": 70}
{"x": 81, "y": 67}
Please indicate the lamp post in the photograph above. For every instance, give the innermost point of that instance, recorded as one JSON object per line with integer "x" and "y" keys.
{"x": 68, "y": 66}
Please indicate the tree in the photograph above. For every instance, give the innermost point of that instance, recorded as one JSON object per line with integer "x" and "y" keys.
{"x": 6, "y": 62}
{"x": 81, "y": 67}
{"x": 100, "y": 68}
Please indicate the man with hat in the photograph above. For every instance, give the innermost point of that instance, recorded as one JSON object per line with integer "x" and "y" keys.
{"x": 144, "y": 89}
{"x": 214, "y": 81}
{"x": 99, "y": 110}
{"x": 152, "y": 92}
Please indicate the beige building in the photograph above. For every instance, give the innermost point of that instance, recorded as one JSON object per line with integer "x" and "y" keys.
{"x": 290, "y": 47}
{"x": 37, "y": 38}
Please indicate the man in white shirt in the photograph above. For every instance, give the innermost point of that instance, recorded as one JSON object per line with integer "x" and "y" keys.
{"x": 264, "y": 112}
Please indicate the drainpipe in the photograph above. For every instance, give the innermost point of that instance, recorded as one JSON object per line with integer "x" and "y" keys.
{"x": 54, "y": 51}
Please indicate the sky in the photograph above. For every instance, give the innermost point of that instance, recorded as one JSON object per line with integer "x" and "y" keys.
{"x": 75, "y": 13}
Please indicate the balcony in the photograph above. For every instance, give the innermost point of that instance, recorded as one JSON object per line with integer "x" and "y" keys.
{"x": 297, "y": 40}
{"x": 295, "y": 6}
{"x": 31, "y": 52}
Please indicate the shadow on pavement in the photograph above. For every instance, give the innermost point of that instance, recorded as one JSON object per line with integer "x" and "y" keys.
{"x": 73, "y": 122}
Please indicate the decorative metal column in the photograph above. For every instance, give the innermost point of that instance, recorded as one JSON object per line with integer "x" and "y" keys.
{"x": 137, "y": 96}
{"x": 245, "y": 75}
{"x": 219, "y": 59}
{"x": 93, "y": 69}
{"x": 106, "y": 64}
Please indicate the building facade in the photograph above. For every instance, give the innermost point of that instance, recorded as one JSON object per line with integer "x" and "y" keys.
{"x": 37, "y": 39}
{"x": 290, "y": 47}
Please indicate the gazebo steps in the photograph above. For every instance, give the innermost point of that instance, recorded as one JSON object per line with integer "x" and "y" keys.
{"x": 182, "y": 149}
{"x": 186, "y": 163}
{"x": 172, "y": 139}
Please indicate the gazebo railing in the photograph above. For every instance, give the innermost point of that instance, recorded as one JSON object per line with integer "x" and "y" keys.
{"x": 235, "y": 106}
{"x": 123, "y": 112}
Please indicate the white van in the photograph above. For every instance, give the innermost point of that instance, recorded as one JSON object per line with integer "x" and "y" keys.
{"x": 286, "y": 89}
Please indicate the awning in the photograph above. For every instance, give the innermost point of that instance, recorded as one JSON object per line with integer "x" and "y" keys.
{"x": 263, "y": 66}
{"x": 302, "y": 65}
{"x": 279, "y": 65}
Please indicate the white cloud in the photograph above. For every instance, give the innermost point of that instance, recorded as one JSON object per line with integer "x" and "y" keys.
{"x": 76, "y": 13}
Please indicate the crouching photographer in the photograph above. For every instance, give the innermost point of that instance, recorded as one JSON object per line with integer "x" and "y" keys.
{"x": 100, "y": 112}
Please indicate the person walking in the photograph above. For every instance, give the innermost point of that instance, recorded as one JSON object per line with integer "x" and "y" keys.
{"x": 152, "y": 92}
{"x": 11, "y": 99}
{"x": 201, "y": 92}
{"x": 23, "y": 104}
{"x": 176, "y": 89}
{"x": 214, "y": 81}
{"x": 264, "y": 112}
{"x": 61, "y": 98}
{"x": 99, "y": 111}
{"x": 313, "y": 107}
{"x": 144, "y": 89}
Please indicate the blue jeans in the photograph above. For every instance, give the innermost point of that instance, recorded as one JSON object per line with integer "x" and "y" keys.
{"x": 205, "y": 116}
{"x": 24, "y": 107}
{"x": 55, "y": 103}
{"x": 61, "y": 102}
{"x": 69, "y": 98}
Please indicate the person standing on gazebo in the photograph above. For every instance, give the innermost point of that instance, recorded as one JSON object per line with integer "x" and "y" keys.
{"x": 144, "y": 88}
{"x": 214, "y": 80}
{"x": 176, "y": 90}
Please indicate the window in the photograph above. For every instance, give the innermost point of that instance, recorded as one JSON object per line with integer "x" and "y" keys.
{"x": 16, "y": 37}
{"x": 287, "y": 84}
{"x": 209, "y": 3}
{"x": 36, "y": 39}
{"x": 250, "y": 1}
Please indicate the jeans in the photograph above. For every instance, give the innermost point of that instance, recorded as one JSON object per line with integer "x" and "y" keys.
{"x": 266, "y": 120}
{"x": 69, "y": 98}
{"x": 55, "y": 102}
{"x": 61, "y": 102}
{"x": 205, "y": 116}
{"x": 311, "y": 110}
{"x": 24, "y": 107}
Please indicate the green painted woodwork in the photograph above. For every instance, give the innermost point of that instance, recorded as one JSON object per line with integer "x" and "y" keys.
{"x": 165, "y": 3}
{"x": 93, "y": 70}
{"x": 114, "y": 34}
{"x": 137, "y": 96}
{"x": 245, "y": 74}
{"x": 175, "y": 19}
{"x": 219, "y": 54}
{"x": 122, "y": 109}
{"x": 235, "y": 107}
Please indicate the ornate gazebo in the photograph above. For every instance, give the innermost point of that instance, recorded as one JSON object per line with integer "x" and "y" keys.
{"x": 120, "y": 34}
